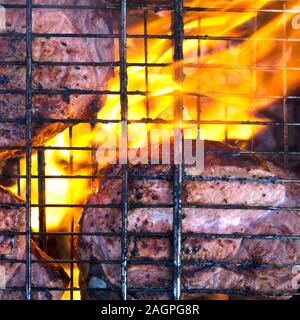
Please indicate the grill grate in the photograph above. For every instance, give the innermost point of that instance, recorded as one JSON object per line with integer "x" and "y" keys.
{"x": 178, "y": 37}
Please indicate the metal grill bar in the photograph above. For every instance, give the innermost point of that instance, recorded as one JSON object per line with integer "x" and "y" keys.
{"x": 91, "y": 148}
{"x": 136, "y": 206}
{"x": 42, "y": 198}
{"x": 72, "y": 222}
{"x": 18, "y": 180}
{"x": 246, "y": 265}
{"x": 28, "y": 144}
{"x": 242, "y": 292}
{"x": 154, "y": 8}
{"x": 149, "y": 64}
{"x": 266, "y": 180}
{"x": 149, "y": 36}
{"x": 164, "y": 235}
{"x": 124, "y": 117}
{"x": 144, "y": 93}
{"x": 285, "y": 90}
{"x": 145, "y": 121}
{"x": 178, "y": 171}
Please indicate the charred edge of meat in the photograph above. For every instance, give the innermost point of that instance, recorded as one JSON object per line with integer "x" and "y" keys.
{"x": 52, "y": 129}
{"x": 15, "y": 199}
{"x": 96, "y": 280}
{"x": 44, "y": 274}
{"x": 62, "y": 106}
{"x": 54, "y": 270}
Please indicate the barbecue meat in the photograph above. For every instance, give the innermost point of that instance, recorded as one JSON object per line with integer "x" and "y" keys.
{"x": 44, "y": 274}
{"x": 56, "y": 78}
{"x": 12, "y": 249}
{"x": 250, "y": 265}
{"x": 12, "y": 219}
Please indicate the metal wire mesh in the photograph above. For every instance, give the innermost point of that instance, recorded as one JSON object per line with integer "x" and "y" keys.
{"x": 177, "y": 36}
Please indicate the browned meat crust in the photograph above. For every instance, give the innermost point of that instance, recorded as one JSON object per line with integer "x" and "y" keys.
{"x": 53, "y": 49}
{"x": 257, "y": 258}
{"x": 12, "y": 219}
{"x": 12, "y": 249}
{"x": 44, "y": 274}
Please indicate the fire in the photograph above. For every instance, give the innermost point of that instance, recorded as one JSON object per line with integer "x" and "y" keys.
{"x": 225, "y": 80}
{"x": 231, "y": 79}
{"x": 59, "y": 191}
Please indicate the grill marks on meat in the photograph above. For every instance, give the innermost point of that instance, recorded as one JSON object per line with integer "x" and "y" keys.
{"x": 12, "y": 250}
{"x": 256, "y": 258}
{"x": 44, "y": 274}
{"x": 54, "y": 49}
{"x": 12, "y": 219}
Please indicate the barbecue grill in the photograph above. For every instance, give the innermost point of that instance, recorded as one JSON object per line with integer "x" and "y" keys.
{"x": 177, "y": 9}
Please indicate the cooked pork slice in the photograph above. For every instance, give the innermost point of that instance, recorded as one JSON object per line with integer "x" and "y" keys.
{"x": 12, "y": 222}
{"x": 45, "y": 275}
{"x": 12, "y": 250}
{"x": 58, "y": 105}
{"x": 216, "y": 234}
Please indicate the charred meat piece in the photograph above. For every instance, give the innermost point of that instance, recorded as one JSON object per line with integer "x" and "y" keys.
{"x": 250, "y": 265}
{"x": 12, "y": 250}
{"x": 12, "y": 221}
{"x": 45, "y": 275}
{"x": 63, "y": 104}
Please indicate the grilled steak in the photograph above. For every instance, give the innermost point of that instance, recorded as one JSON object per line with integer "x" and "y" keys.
{"x": 250, "y": 265}
{"x": 56, "y": 78}
{"x": 44, "y": 274}
{"x": 12, "y": 219}
{"x": 12, "y": 249}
